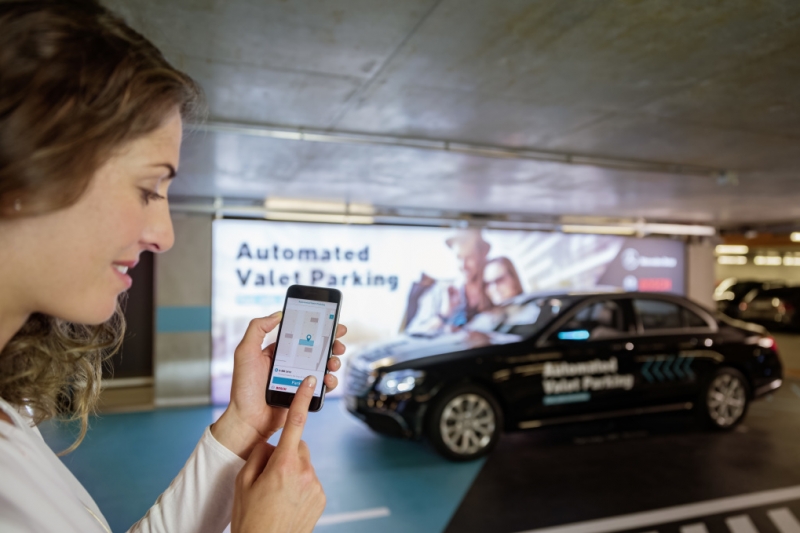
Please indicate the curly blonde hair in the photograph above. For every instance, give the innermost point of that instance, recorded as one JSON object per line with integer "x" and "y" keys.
{"x": 76, "y": 83}
{"x": 55, "y": 367}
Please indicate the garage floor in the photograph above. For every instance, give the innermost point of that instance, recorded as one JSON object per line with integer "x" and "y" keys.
{"x": 660, "y": 474}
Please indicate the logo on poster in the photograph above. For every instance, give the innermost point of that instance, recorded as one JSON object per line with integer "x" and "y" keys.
{"x": 632, "y": 260}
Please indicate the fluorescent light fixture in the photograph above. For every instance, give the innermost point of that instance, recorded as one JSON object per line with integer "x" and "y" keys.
{"x": 643, "y": 228}
{"x": 324, "y": 218}
{"x": 296, "y": 204}
{"x": 355, "y": 208}
{"x": 791, "y": 261}
{"x": 605, "y": 230}
{"x": 679, "y": 229}
{"x": 732, "y": 260}
{"x": 732, "y": 249}
{"x": 795, "y": 236}
{"x": 768, "y": 260}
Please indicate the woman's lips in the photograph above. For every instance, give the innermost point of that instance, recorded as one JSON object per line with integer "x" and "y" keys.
{"x": 121, "y": 271}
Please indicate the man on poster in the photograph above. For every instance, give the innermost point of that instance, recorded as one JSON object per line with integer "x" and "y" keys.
{"x": 435, "y": 307}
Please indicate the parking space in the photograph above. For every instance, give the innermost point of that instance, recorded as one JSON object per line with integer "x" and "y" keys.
{"x": 661, "y": 473}
{"x": 571, "y": 475}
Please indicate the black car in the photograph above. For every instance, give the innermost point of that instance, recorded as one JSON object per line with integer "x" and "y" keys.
{"x": 732, "y": 293}
{"x": 553, "y": 359}
{"x": 775, "y": 309}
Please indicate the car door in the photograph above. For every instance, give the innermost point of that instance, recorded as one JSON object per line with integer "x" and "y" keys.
{"x": 591, "y": 374}
{"x": 673, "y": 347}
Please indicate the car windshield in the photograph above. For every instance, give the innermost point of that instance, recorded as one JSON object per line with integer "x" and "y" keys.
{"x": 523, "y": 318}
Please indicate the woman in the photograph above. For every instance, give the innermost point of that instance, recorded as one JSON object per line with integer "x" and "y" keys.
{"x": 91, "y": 118}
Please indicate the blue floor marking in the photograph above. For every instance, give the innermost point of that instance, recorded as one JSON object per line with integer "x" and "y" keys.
{"x": 128, "y": 459}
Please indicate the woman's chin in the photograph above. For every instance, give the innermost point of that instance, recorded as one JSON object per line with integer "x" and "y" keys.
{"x": 89, "y": 316}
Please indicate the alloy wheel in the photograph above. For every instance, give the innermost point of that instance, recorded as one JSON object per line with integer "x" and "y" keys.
{"x": 467, "y": 424}
{"x": 727, "y": 398}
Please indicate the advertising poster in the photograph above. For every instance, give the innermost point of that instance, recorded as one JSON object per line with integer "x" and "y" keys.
{"x": 408, "y": 280}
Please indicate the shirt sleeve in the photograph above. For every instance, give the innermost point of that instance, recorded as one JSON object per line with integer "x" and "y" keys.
{"x": 200, "y": 498}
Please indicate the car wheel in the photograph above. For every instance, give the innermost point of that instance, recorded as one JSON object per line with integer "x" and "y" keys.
{"x": 726, "y": 398}
{"x": 465, "y": 422}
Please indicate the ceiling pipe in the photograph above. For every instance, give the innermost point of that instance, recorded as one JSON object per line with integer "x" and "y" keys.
{"x": 480, "y": 150}
{"x": 219, "y": 209}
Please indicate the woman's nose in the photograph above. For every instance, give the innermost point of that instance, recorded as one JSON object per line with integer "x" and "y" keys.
{"x": 159, "y": 235}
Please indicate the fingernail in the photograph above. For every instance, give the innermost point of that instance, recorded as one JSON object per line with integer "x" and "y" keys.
{"x": 312, "y": 382}
{"x": 276, "y": 314}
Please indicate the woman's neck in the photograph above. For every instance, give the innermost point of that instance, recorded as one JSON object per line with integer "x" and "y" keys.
{"x": 11, "y": 321}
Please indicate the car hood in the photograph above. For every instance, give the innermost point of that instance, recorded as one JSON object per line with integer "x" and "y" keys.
{"x": 406, "y": 347}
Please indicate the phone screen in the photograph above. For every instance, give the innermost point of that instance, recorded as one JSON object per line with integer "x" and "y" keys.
{"x": 303, "y": 344}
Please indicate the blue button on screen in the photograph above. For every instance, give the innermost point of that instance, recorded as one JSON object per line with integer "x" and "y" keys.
{"x": 287, "y": 381}
{"x": 331, "y": 317}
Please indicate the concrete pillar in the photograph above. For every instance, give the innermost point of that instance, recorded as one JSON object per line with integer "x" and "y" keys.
{"x": 182, "y": 360}
{"x": 700, "y": 273}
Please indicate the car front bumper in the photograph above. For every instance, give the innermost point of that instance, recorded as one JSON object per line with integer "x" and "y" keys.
{"x": 397, "y": 416}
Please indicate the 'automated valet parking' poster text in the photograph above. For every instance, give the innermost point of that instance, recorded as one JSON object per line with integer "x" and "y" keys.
{"x": 412, "y": 280}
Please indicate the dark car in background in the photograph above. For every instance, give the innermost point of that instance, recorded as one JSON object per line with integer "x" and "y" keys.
{"x": 775, "y": 309}
{"x": 731, "y": 293}
{"x": 543, "y": 360}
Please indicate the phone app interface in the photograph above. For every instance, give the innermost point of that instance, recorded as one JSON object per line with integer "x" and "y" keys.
{"x": 302, "y": 348}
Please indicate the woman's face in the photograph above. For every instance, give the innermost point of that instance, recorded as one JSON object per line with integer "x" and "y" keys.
{"x": 72, "y": 263}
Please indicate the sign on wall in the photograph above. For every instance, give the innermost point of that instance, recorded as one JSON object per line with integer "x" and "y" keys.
{"x": 422, "y": 281}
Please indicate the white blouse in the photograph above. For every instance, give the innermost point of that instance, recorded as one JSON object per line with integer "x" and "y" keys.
{"x": 39, "y": 494}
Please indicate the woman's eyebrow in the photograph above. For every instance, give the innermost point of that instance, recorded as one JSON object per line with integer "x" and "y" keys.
{"x": 169, "y": 167}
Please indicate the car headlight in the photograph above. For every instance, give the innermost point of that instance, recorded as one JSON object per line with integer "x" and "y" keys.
{"x": 399, "y": 381}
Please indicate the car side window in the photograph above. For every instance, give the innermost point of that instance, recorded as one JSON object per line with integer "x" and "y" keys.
{"x": 692, "y": 319}
{"x": 600, "y": 320}
{"x": 658, "y": 314}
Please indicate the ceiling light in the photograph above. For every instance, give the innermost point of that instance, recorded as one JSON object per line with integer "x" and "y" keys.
{"x": 795, "y": 236}
{"x": 679, "y": 229}
{"x": 355, "y": 208}
{"x": 732, "y": 249}
{"x": 273, "y": 203}
{"x": 605, "y": 230}
{"x": 324, "y": 218}
{"x": 732, "y": 260}
{"x": 767, "y": 260}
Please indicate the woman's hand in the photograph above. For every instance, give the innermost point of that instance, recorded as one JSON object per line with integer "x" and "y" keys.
{"x": 277, "y": 490}
{"x": 248, "y": 419}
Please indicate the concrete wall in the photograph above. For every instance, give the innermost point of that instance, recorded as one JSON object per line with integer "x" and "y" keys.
{"x": 700, "y": 275}
{"x": 182, "y": 360}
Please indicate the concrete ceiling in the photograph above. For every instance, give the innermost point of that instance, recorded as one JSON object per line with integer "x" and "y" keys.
{"x": 713, "y": 84}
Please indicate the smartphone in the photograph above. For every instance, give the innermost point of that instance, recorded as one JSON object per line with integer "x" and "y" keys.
{"x": 305, "y": 343}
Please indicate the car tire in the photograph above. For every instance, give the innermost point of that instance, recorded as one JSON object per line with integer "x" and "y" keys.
{"x": 725, "y": 399}
{"x": 464, "y": 422}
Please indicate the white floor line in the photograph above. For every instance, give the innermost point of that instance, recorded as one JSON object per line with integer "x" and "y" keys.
{"x": 677, "y": 513}
{"x": 694, "y": 528}
{"x": 741, "y": 524}
{"x": 341, "y": 518}
{"x": 784, "y": 520}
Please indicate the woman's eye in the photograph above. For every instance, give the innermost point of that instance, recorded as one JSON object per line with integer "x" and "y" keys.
{"x": 148, "y": 195}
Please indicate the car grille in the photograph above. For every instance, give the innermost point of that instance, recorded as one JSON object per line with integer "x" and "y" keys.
{"x": 358, "y": 381}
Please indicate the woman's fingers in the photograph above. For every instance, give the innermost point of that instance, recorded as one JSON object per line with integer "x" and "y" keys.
{"x": 341, "y": 331}
{"x": 296, "y": 417}
{"x": 339, "y": 348}
{"x": 334, "y": 364}
{"x": 331, "y": 382}
{"x": 258, "y": 329}
{"x": 255, "y": 463}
